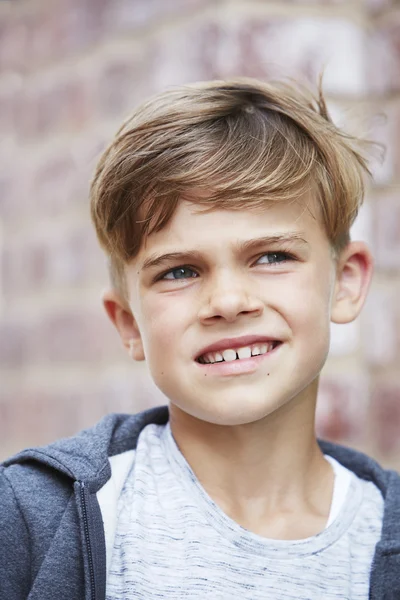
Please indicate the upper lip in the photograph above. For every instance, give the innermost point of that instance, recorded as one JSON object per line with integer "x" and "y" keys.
{"x": 237, "y": 342}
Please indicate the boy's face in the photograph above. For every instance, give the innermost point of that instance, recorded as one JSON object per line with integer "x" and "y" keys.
{"x": 230, "y": 281}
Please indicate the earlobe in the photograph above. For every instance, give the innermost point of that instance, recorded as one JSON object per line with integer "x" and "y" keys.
{"x": 353, "y": 277}
{"x": 122, "y": 318}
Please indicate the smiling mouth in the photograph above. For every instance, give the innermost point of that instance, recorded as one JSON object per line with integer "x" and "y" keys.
{"x": 234, "y": 354}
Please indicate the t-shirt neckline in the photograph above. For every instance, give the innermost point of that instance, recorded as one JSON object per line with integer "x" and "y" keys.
{"x": 243, "y": 538}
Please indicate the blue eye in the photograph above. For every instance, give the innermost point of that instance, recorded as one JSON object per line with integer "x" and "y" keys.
{"x": 179, "y": 273}
{"x": 277, "y": 257}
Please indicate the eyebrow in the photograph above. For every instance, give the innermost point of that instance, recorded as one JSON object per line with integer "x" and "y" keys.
{"x": 157, "y": 260}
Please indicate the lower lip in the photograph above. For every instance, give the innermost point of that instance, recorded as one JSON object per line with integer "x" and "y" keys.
{"x": 240, "y": 366}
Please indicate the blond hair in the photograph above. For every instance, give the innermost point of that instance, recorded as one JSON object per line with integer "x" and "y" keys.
{"x": 227, "y": 144}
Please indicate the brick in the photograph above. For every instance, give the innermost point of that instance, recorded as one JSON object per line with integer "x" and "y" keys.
{"x": 60, "y": 182}
{"x": 376, "y": 6}
{"x": 123, "y": 15}
{"x": 385, "y": 416}
{"x": 274, "y": 47}
{"x": 387, "y": 232}
{"x": 15, "y": 342}
{"x": 181, "y": 57}
{"x": 383, "y": 129}
{"x": 14, "y": 273}
{"x": 64, "y": 415}
{"x": 128, "y": 388}
{"x": 13, "y": 43}
{"x": 75, "y": 259}
{"x": 77, "y": 336}
{"x": 39, "y": 416}
{"x": 7, "y": 194}
{"x": 62, "y": 260}
{"x": 32, "y": 414}
{"x": 12, "y": 87}
{"x": 24, "y": 267}
{"x": 363, "y": 226}
{"x": 319, "y": 2}
{"x": 342, "y": 407}
{"x": 380, "y": 327}
{"x": 345, "y": 339}
{"x": 53, "y": 31}
{"x": 122, "y": 84}
{"x": 383, "y": 51}
{"x": 50, "y": 106}
{"x": 7, "y": 424}
{"x": 85, "y": 22}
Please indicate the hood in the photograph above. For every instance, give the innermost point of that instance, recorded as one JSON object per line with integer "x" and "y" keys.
{"x": 85, "y": 456}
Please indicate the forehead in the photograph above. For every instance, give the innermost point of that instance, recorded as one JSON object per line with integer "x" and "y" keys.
{"x": 193, "y": 225}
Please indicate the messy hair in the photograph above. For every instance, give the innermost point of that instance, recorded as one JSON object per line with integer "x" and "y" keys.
{"x": 231, "y": 144}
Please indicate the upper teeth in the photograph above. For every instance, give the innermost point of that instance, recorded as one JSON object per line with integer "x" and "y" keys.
{"x": 229, "y": 354}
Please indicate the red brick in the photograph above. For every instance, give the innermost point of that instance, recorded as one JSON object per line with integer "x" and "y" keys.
{"x": 383, "y": 129}
{"x": 38, "y": 416}
{"x": 15, "y": 346}
{"x": 385, "y": 416}
{"x": 13, "y": 271}
{"x": 342, "y": 408}
{"x": 121, "y": 85}
{"x": 53, "y": 31}
{"x": 25, "y": 267}
{"x": 133, "y": 14}
{"x": 128, "y": 389}
{"x": 387, "y": 232}
{"x": 13, "y": 43}
{"x": 207, "y": 39}
{"x": 7, "y": 195}
{"x": 84, "y": 23}
{"x": 59, "y": 260}
{"x": 77, "y": 336}
{"x": 53, "y": 184}
{"x": 376, "y": 6}
{"x": 12, "y": 87}
{"x": 320, "y": 2}
{"x": 383, "y": 51}
{"x": 177, "y": 58}
{"x": 76, "y": 259}
{"x": 345, "y": 339}
{"x": 273, "y": 47}
{"x": 7, "y": 424}
{"x": 380, "y": 326}
{"x": 50, "y": 106}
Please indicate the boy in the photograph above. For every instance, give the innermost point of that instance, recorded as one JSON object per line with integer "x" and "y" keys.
{"x": 225, "y": 210}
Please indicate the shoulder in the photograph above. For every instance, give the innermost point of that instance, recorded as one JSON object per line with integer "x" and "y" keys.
{"x": 43, "y": 477}
{"x": 368, "y": 469}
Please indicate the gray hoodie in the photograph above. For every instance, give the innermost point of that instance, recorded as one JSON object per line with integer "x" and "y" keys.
{"x": 58, "y": 512}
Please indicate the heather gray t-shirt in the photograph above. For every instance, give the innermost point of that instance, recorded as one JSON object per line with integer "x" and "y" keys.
{"x": 173, "y": 542}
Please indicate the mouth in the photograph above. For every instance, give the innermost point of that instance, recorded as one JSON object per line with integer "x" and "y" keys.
{"x": 237, "y": 353}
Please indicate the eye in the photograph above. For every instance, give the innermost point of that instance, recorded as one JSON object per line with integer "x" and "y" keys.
{"x": 178, "y": 273}
{"x": 271, "y": 258}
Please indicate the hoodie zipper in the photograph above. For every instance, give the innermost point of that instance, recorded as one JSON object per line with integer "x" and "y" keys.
{"x": 88, "y": 544}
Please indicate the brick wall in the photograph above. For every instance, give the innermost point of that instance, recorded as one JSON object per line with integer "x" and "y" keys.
{"x": 70, "y": 70}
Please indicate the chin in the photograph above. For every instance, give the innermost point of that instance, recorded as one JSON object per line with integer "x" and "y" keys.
{"x": 230, "y": 413}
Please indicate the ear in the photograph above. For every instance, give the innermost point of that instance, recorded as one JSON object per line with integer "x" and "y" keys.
{"x": 353, "y": 277}
{"x": 121, "y": 316}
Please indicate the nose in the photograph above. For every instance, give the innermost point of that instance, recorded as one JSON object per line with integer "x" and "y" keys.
{"x": 227, "y": 298}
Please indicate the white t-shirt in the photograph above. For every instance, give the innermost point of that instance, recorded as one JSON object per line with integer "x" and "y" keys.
{"x": 172, "y": 541}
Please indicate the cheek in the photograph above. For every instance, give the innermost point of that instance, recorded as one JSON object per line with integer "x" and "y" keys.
{"x": 163, "y": 322}
{"x": 308, "y": 307}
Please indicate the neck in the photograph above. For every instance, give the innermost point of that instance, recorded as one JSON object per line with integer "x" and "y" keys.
{"x": 259, "y": 471}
